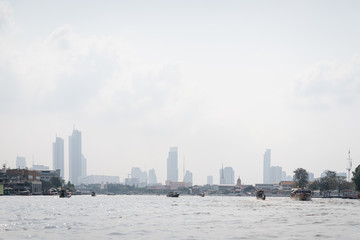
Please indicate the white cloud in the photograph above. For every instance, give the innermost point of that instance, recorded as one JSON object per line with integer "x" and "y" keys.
{"x": 330, "y": 84}
{"x": 6, "y": 20}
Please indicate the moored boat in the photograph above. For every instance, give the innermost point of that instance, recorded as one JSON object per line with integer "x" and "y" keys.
{"x": 301, "y": 194}
{"x": 260, "y": 195}
{"x": 173, "y": 194}
{"x": 65, "y": 193}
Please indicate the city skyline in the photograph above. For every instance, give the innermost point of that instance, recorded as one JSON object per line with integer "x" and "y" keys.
{"x": 222, "y": 81}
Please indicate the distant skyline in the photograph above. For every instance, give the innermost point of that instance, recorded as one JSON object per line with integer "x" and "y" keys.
{"x": 221, "y": 80}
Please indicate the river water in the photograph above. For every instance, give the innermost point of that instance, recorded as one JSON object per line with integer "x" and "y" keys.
{"x": 186, "y": 217}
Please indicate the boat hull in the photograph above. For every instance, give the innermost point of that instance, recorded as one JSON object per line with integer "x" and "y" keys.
{"x": 301, "y": 194}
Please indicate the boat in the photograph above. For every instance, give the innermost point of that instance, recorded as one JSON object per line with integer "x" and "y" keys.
{"x": 301, "y": 194}
{"x": 260, "y": 195}
{"x": 65, "y": 193}
{"x": 93, "y": 194}
{"x": 173, "y": 194}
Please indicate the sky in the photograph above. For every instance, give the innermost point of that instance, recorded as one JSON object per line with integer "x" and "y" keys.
{"x": 221, "y": 80}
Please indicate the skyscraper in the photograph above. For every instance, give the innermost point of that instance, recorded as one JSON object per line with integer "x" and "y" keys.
{"x": 275, "y": 174}
{"x": 58, "y": 155}
{"x": 210, "y": 180}
{"x": 229, "y": 175}
{"x": 20, "y": 162}
{"x": 222, "y": 175}
{"x": 83, "y": 166}
{"x": 266, "y": 167}
{"x": 188, "y": 177}
{"x": 152, "y": 177}
{"x": 75, "y": 157}
{"x": 172, "y": 165}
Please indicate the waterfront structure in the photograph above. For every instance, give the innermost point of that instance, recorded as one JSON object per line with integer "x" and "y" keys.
{"x": 210, "y": 180}
{"x": 22, "y": 181}
{"x": 266, "y": 167}
{"x": 75, "y": 157}
{"x": 99, "y": 179}
{"x": 46, "y": 175}
{"x": 152, "y": 177}
{"x": 188, "y": 177}
{"x": 175, "y": 185}
{"x": 58, "y": 155}
{"x": 20, "y": 162}
{"x": 172, "y": 165}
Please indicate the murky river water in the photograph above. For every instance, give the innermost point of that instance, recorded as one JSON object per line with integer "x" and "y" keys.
{"x": 186, "y": 217}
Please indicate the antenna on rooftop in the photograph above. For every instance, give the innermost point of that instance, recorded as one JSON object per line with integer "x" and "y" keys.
{"x": 349, "y": 166}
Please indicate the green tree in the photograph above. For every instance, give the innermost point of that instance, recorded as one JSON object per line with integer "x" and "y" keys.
{"x": 301, "y": 177}
{"x": 356, "y": 178}
{"x": 55, "y": 182}
{"x": 315, "y": 185}
{"x": 69, "y": 186}
{"x": 329, "y": 181}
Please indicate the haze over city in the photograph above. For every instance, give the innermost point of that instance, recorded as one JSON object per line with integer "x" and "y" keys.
{"x": 221, "y": 80}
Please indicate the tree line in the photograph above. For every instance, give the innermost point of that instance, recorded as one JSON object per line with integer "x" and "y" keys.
{"x": 329, "y": 182}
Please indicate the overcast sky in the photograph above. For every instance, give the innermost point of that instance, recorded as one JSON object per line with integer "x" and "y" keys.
{"x": 222, "y": 80}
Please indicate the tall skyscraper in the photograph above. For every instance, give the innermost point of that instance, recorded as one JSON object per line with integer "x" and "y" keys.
{"x": 188, "y": 177}
{"x": 222, "y": 175}
{"x": 275, "y": 174}
{"x": 83, "y": 166}
{"x": 152, "y": 177}
{"x": 172, "y": 165}
{"x": 20, "y": 162}
{"x": 58, "y": 155}
{"x": 210, "y": 180}
{"x": 266, "y": 167}
{"x": 229, "y": 175}
{"x": 75, "y": 157}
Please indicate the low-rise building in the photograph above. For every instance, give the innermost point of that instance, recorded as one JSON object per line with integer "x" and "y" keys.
{"x": 21, "y": 181}
{"x": 175, "y": 185}
{"x": 99, "y": 179}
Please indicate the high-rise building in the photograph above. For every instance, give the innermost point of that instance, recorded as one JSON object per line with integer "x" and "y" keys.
{"x": 139, "y": 177}
{"x": 226, "y": 175}
{"x": 83, "y": 166}
{"x": 152, "y": 177}
{"x": 311, "y": 177}
{"x": 172, "y": 165}
{"x": 222, "y": 175}
{"x": 75, "y": 157}
{"x": 266, "y": 169}
{"x": 275, "y": 174}
{"x": 210, "y": 180}
{"x": 136, "y": 173}
{"x": 20, "y": 163}
{"x": 188, "y": 177}
{"x": 229, "y": 175}
{"x": 58, "y": 155}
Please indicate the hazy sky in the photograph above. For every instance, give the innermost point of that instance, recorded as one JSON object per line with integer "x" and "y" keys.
{"x": 222, "y": 80}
